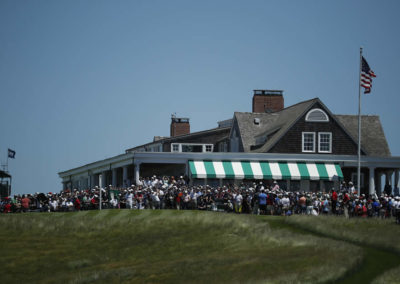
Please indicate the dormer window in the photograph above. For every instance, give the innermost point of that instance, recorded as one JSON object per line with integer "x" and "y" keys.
{"x": 317, "y": 115}
{"x": 308, "y": 142}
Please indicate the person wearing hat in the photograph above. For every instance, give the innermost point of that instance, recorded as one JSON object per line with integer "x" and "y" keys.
{"x": 346, "y": 204}
{"x": 238, "y": 202}
{"x": 129, "y": 199}
{"x": 352, "y": 189}
{"x": 276, "y": 186}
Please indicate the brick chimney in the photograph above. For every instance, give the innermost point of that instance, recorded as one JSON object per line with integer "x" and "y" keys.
{"x": 268, "y": 100}
{"x": 179, "y": 126}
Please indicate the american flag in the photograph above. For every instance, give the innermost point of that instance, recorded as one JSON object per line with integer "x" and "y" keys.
{"x": 366, "y": 76}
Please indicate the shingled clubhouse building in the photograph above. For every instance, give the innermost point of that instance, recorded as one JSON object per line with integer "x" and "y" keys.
{"x": 302, "y": 147}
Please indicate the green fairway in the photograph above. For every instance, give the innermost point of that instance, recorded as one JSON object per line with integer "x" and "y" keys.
{"x": 173, "y": 247}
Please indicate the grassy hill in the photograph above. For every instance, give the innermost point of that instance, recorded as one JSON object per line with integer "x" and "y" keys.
{"x": 179, "y": 247}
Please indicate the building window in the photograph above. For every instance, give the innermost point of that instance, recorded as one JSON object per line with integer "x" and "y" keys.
{"x": 308, "y": 141}
{"x": 175, "y": 147}
{"x": 191, "y": 147}
{"x": 317, "y": 115}
{"x": 223, "y": 147}
{"x": 324, "y": 142}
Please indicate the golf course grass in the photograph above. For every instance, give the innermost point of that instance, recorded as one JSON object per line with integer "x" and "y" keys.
{"x": 167, "y": 246}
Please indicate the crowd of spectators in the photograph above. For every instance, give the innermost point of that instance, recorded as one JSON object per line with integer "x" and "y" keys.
{"x": 170, "y": 193}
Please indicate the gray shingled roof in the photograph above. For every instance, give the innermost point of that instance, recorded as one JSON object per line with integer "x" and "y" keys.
{"x": 372, "y": 136}
{"x": 277, "y": 123}
{"x": 184, "y": 136}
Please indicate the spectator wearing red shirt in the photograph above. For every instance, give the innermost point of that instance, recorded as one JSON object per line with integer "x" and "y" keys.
{"x": 334, "y": 201}
{"x": 7, "y": 206}
{"x": 77, "y": 204}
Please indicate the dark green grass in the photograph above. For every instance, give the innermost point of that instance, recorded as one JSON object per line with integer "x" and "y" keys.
{"x": 164, "y": 246}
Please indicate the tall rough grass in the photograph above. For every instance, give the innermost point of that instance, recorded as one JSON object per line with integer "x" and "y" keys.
{"x": 164, "y": 246}
{"x": 391, "y": 276}
{"x": 378, "y": 233}
{"x": 382, "y": 233}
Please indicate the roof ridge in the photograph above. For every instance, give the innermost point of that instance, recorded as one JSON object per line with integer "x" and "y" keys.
{"x": 180, "y": 136}
{"x": 255, "y": 113}
{"x": 303, "y": 102}
{"x": 376, "y": 115}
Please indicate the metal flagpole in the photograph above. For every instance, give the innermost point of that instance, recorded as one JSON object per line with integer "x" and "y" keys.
{"x": 7, "y": 161}
{"x": 359, "y": 126}
{"x": 100, "y": 189}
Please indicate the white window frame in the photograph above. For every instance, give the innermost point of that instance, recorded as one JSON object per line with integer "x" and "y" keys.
{"x": 191, "y": 144}
{"x": 205, "y": 148}
{"x": 330, "y": 142}
{"x": 302, "y": 142}
{"x": 317, "y": 109}
{"x": 179, "y": 147}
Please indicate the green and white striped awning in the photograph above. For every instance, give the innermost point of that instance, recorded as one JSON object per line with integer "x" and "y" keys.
{"x": 265, "y": 170}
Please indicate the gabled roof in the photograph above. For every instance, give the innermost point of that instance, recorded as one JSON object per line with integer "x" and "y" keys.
{"x": 184, "y": 136}
{"x": 372, "y": 136}
{"x": 275, "y": 125}
{"x": 278, "y": 122}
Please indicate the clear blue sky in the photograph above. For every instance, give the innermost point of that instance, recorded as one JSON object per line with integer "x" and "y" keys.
{"x": 84, "y": 80}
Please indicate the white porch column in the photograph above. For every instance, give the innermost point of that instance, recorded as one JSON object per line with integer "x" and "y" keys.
{"x": 371, "y": 180}
{"x": 114, "y": 177}
{"x": 137, "y": 173}
{"x": 396, "y": 182}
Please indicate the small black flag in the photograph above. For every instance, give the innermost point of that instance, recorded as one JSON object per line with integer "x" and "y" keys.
{"x": 11, "y": 154}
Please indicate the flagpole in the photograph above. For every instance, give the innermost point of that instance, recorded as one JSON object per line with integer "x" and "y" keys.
{"x": 7, "y": 161}
{"x": 359, "y": 126}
